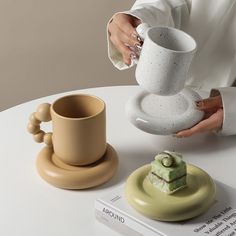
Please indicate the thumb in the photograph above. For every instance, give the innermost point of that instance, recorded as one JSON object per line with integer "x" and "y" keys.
{"x": 210, "y": 103}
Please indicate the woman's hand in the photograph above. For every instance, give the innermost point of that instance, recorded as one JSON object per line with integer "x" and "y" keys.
{"x": 213, "y": 119}
{"x": 124, "y": 36}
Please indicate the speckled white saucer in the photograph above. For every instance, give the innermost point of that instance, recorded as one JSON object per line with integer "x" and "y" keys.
{"x": 164, "y": 115}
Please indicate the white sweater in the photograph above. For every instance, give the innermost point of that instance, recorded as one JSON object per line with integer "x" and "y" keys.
{"x": 213, "y": 25}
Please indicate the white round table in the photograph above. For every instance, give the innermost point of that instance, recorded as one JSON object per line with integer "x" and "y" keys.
{"x": 30, "y": 206}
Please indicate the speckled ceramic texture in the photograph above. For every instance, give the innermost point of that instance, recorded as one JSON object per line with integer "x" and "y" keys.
{"x": 165, "y": 59}
{"x": 164, "y": 115}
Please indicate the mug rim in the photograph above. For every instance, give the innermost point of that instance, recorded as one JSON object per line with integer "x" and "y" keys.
{"x": 176, "y": 30}
{"x": 78, "y": 95}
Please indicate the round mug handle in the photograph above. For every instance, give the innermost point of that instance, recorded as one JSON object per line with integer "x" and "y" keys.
{"x": 42, "y": 114}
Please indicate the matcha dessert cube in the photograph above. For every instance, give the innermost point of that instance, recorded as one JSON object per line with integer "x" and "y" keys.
{"x": 168, "y": 172}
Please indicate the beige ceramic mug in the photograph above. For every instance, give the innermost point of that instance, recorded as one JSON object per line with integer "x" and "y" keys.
{"x": 79, "y": 128}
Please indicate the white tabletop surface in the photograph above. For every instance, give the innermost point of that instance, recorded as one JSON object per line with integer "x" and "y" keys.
{"x": 30, "y": 206}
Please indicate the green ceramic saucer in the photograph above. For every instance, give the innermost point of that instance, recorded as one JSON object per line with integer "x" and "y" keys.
{"x": 186, "y": 203}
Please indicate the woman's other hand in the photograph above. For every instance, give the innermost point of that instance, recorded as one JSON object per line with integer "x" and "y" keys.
{"x": 124, "y": 36}
{"x": 213, "y": 119}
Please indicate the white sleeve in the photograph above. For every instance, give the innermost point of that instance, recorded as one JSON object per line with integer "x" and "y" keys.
{"x": 172, "y": 13}
{"x": 228, "y": 95}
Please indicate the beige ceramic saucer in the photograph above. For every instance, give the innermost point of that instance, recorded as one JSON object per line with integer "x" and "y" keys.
{"x": 62, "y": 175}
{"x": 187, "y": 203}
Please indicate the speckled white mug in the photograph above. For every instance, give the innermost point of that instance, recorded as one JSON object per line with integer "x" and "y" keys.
{"x": 165, "y": 59}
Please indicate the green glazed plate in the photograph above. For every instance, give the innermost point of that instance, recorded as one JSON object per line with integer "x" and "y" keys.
{"x": 186, "y": 203}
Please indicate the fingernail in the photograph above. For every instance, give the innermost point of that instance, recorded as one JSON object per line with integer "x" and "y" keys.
{"x": 177, "y": 135}
{"x": 133, "y": 56}
{"x": 136, "y": 36}
{"x": 139, "y": 38}
{"x": 132, "y": 48}
{"x": 133, "y": 35}
{"x": 198, "y": 103}
{"x": 138, "y": 47}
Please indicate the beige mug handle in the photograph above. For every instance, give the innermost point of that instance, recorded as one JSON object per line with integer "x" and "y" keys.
{"x": 42, "y": 114}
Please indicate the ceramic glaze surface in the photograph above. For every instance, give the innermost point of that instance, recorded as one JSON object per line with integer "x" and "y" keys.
{"x": 62, "y": 175}
{"x": 79, "y": 128}
{"x": 164, "y": 114}
{"x": 186, "y": 203}
{"x": 164, "y": 60}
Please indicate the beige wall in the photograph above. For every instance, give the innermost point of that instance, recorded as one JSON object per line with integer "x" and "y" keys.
{"x": 51, "y": 46}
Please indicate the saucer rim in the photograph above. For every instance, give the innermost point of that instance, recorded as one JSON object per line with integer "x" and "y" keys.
{"x": 84, "y": 178}
{"x": 132, "y": 191}
{"x": 150, "y": 124}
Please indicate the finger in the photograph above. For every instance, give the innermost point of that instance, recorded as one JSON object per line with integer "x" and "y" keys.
{"x": 128, "y": 40}
{"x": 127, "y": 60}
{"x": 125, "y": 22}
{"x": 210, "y": 103}
{"x": 119, "y": 44}
{"x": 199, "y": 128}
{"x": 212, "y": 123}
{"x": 127, "y": 54}
{"x": 205, "y": 125}
{"x": 207, "y": 114}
